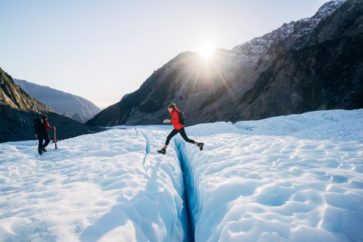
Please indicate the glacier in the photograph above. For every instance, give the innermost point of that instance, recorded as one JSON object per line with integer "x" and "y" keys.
{"x": 100, "y": 187}
{"x": 288, "y": 178}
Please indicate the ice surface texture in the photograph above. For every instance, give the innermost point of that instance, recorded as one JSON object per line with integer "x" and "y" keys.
{"x": 290, "y": 178}
{"x": 103, "y": 187}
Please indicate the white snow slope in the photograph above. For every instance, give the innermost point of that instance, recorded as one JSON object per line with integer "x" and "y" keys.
{"x": 104, "y": 186}
{"x": 289, "y": 178}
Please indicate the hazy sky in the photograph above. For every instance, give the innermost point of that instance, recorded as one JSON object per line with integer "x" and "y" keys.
{"x": 102, "y": 50}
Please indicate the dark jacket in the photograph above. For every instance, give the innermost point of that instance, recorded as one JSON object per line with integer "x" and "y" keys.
{"x": 41, "y": 127}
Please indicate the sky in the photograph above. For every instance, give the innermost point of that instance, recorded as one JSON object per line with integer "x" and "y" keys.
{"x": 102, "y": 50}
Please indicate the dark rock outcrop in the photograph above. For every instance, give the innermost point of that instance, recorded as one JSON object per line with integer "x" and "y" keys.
{"x": 18, "y": 110}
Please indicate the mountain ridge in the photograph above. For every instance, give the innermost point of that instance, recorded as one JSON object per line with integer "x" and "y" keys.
{"x": 18, "y": 110}
{"x": 67, "y": 104}
{"x": 230, "y": 88}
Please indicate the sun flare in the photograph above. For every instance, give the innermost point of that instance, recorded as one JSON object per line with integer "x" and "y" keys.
{"x": 206, "y": 51}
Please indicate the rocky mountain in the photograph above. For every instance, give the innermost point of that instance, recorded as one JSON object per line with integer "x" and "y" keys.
{"x": 18, "y": 110}
{"x": 72, "y": 106}
{"x": 312, "y": 64}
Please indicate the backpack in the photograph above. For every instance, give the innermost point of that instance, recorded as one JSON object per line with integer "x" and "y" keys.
{"x": 181, "y": 117}
{"x": 38, "y": 125}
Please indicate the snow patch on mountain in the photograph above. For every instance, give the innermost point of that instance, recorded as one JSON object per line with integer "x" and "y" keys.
{"x": 259, "y": 46}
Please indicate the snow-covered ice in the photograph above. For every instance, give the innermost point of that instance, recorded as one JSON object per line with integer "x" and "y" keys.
{"x": 104, "y": 186}
{"x": 289, "y": 178}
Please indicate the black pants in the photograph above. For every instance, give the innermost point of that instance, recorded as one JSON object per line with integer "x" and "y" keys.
{"x": 182, "y": 133}
{"x": 43, "y": 138}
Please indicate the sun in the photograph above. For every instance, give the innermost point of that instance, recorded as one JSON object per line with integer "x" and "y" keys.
{"x": 206, "y": 51}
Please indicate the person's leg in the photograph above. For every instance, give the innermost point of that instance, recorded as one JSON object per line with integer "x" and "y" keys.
{"x": 47, "y": 140}
{"x": 40, "y": 144}
{"x": 171, "y": 135}
{"x": 185, "y": 137}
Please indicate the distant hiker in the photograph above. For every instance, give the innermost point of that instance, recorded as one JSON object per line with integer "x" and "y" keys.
{"x": 41, "y": 128}
{"x": 177, "y": 119}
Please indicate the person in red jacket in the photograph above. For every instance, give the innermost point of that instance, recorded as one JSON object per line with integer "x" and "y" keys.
{"x": 177, "y": 121}
{"x": 41, "y": 128}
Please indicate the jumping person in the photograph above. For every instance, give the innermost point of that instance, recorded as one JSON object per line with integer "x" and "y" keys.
{"x": 41, "y": 128}
{"x": 177, "y": 119}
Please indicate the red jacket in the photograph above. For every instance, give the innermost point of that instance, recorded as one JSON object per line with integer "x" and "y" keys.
{"x": 175, "y": 119}
{"x": 47, "y": 125}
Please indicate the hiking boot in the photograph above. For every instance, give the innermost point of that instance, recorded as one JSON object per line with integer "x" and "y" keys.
{"x": 162, "y": 151}
{"x": 40, "y": 151}
{"x": 200, "y": 145}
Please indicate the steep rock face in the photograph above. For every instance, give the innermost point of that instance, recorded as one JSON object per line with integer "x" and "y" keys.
{"x": 187, "y": 79}
{"x": 323, "y": 70}
{"x": 72, "y": 106}
{"x": 14, "y": 97}
{"x": 18, "y": 110}
{"x": 291, "y": 70}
